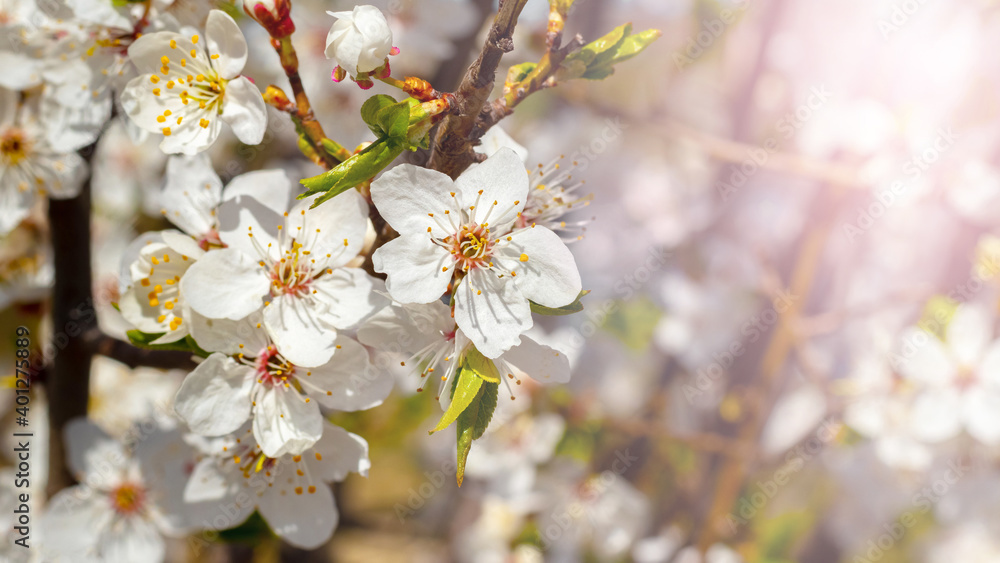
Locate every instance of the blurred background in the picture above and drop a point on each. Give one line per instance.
(789, 349)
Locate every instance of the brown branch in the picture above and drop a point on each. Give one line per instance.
(67, 383)
(134, 357)
(452, 149)
(541, 77)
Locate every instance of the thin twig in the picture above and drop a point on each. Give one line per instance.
(452, 149)
(303, 114)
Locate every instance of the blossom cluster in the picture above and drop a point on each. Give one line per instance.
(291, 304)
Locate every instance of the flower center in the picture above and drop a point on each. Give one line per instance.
(13, 147)
(966, 378)
(211, 240)
(293, 273)
(128, 498)
(471, 246)
(272, 368)
(186, 72)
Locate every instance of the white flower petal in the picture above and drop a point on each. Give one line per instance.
(229, 337)
(272, 188)
(244, 110)
(348, 382)
(253, 204)
(406, 194)
(225, 284)
(295, 325)
(72, 516)
(341, 452)
(337, 227)
(284, 423)
(414, 269)
(546, 270)
(925, 359)
(214, 399)
(982, 414)
(132, 539)
(226, 40)
(937, 415)
(969, 332)
(543, 364)
(502, 178)
(94, 457)
(406, 328)
(491, 311)
(193, 190)
(350, 296)
(182, 244)
(190, 139)
(495, 139)
(306, 521)
(145, 52)
(989, 367)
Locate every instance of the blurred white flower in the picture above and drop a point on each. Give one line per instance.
(959, 378)
(552, 192)
(124, 502)
(29, 166)
(426, 337)
(154, 303)
(289, 491)
(880, 407)
(248, 376)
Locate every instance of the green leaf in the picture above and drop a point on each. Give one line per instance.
(472, 423)
(628, 48)
(370, 110)
(386, 117)
(597, 59)
(589, 53)
(574, 307)
(482, 366)
(353, 171)
(466, 390)
(141, 339)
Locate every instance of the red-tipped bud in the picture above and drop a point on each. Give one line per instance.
(273, 15)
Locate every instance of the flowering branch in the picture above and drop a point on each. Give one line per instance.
(543, 75)
(452, 148)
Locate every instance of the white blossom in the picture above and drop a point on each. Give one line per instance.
(188, 85)
(29, 166)
(289, 491)
(461, 236)
(292, 262)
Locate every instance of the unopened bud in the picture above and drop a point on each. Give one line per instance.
(273, 15)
